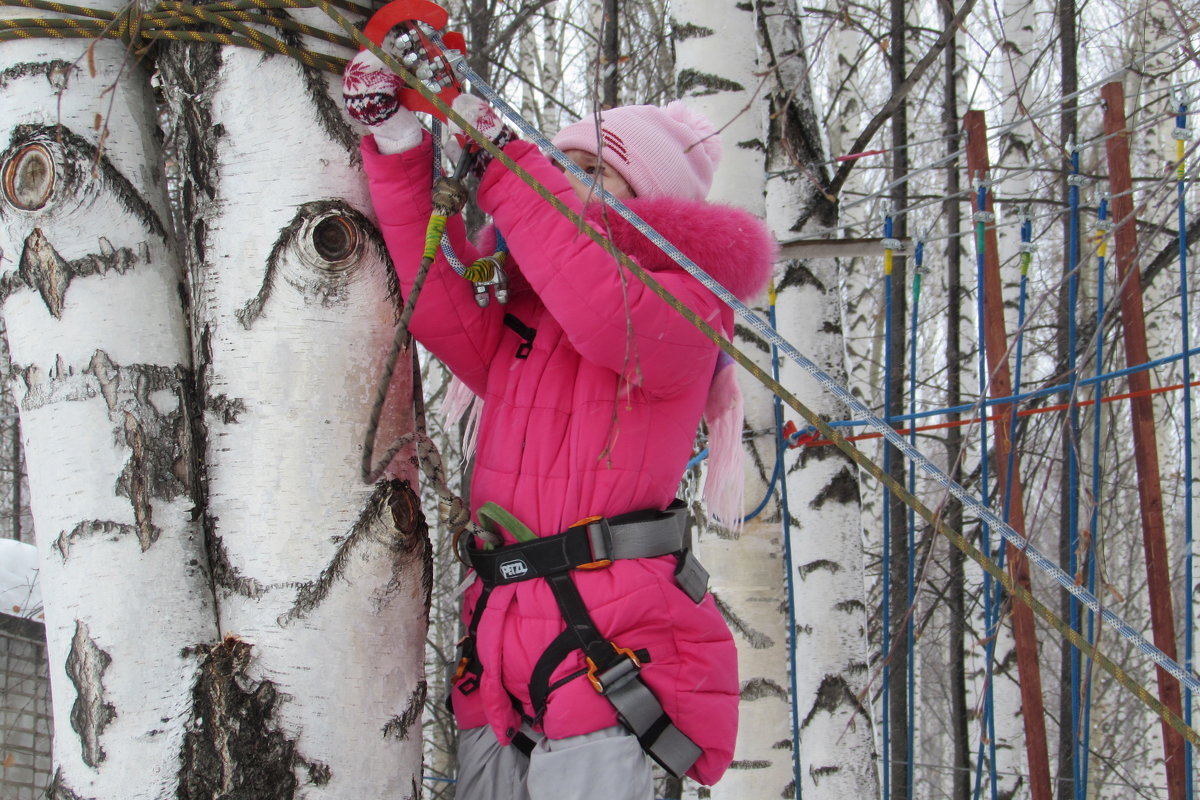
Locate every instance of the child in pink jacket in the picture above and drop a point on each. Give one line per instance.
(593, 388)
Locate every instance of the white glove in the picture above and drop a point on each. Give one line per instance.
(481, 116)
(371, 93)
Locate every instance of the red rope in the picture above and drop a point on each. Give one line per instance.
(1024, 413)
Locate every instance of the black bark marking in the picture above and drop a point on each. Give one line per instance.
(56, 72)
(327, 287)
(328, 111)
(850, 606)
(227, 576)
(58, 789)
(816, 773)
(796, 273)
(782, 744)
(90, 714)
(757, 688)
(226, 408)
(159, 444)
(804, 570)
(756, 639)
(832, 694)
(757, 764)
(698, 84)
(42, 268)
(398, 727)
(681, 33)
(789, 791)
(80, 160)
(393, 518)
(842, 488)
(233, 748)
(744, 334)
(138, 483)
(89, 528)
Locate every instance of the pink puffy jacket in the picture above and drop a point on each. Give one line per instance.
(599, 419)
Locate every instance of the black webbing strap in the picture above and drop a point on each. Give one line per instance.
(469, 665)
(615, 674)
(526, 333)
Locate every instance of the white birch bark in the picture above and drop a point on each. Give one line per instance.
(716, 77)
(836, 740)
(96, 332)
(322, 582)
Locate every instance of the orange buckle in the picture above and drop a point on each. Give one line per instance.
(592, 668)
(462, 669)
(601, 563)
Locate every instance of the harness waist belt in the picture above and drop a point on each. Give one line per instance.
(641, 534)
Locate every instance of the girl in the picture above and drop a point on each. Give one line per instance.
(596, 641)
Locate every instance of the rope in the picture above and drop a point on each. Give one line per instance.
(919, 460)
(991, 613)
(1083, 748)
(1182, 134)
(1074, 181)
(885, 639)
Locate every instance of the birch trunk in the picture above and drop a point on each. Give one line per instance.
(322, 582)
(91, 303)
(836, 741)
(716, 76)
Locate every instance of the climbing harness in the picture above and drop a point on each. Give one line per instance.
(612, 670)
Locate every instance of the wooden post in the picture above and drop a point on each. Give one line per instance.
(1000, 383)
(1141, 407)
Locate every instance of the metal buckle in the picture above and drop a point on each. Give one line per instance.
(624, 665)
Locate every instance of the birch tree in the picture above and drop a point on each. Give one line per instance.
(836, 740)
(292, 303)
(232, 612)
(714, 74)
(97, 337)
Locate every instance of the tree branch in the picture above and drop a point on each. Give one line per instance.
(889, 108)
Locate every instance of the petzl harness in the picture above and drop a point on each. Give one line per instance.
(613, 671)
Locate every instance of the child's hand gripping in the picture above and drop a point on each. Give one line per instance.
(371, 93)
(481, 116)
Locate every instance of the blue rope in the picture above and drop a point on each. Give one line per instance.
(1080, 782)
(910, 626)
(885, 643)
(1183, 134)
(990, 593)
(789, 564)
(1083, 748)
(1039, 560)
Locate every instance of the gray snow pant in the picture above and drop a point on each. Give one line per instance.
(608, 763)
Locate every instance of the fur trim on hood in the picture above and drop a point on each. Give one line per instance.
(729, 243)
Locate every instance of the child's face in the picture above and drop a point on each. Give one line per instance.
(603, 175)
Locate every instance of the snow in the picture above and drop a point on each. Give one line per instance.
(20, 594)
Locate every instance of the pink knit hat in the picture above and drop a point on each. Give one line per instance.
(659, 151)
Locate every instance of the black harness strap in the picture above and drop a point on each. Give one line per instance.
(612, 670)
(527, 333)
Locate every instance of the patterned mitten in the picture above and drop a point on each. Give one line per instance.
(371, 93)
(481, 116)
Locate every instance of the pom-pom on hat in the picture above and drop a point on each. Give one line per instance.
(659, 150)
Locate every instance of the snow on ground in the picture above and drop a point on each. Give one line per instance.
(20, 595)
